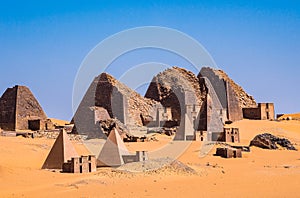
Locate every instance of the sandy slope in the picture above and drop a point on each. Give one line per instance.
(261, 173)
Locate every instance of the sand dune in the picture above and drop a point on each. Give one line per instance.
(263, 173)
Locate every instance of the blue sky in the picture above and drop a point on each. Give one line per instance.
(42, 43)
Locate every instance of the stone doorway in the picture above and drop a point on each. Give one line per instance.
(34, 125)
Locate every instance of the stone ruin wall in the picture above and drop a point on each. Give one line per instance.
(8, 109)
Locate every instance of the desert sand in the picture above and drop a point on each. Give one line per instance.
(263, 173)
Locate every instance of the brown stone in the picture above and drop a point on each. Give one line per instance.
(175, 88)
(120, 102)
(229, 152)
(263, 111)
(19, 110)
(231, 96)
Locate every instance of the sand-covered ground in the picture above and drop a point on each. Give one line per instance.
(260, 173)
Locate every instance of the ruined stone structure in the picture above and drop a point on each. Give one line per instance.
(212, 113)
(175, 88)
(231, 96)
(82, 164)
(61, 151)
(179, 91)
(228, 135)
(231, 135)
(229, 152)
(120, 102)
(175, 97)
(19, 110)
(140, 156)
(263, 111)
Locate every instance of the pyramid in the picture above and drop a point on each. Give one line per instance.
(61, 151)
(231, 96)
(119, 100)
(113, 150)
(17, 107)
(170, 88)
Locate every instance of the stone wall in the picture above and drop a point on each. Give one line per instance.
(264, 111)
(252, 113)
(8, 109)
(234, 111)
(267, 111)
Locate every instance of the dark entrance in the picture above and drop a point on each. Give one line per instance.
(234, 154)
(34, 125)
(232, 139)
(90, 167)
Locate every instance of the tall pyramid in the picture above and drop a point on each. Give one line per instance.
(113, 150)
(61, 151)
(20, 110)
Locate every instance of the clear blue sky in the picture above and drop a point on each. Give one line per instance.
(42, 43)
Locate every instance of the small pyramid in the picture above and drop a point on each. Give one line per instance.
(61, 151)
(113, 150)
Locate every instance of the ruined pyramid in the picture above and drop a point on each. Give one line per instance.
(61, 151)
(113, 150)
(119, 100)
(20, 110)
(170, 88)
(231, 96)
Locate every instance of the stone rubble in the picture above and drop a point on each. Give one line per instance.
(269, 141)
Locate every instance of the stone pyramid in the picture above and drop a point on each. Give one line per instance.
(61, 151)
(17, 106)
(231, 96)
(170, 88)
(119, 100)
(113, 150)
